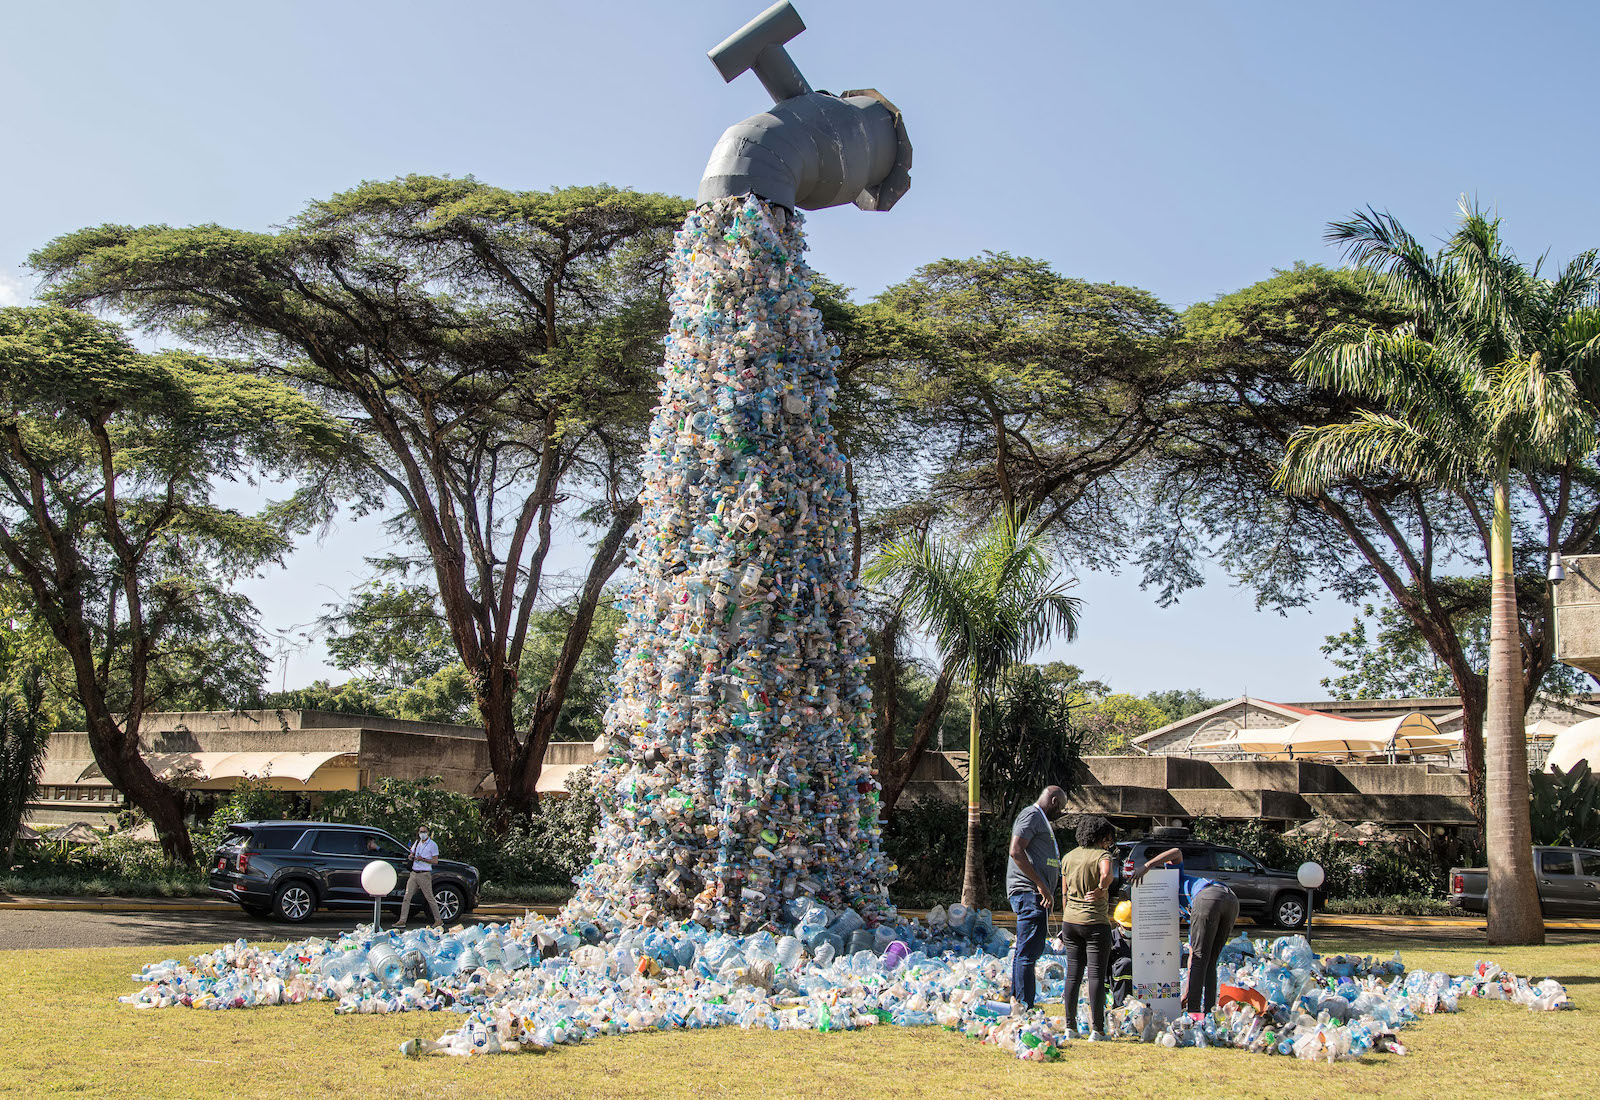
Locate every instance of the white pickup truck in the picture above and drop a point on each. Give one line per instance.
(1568, 878)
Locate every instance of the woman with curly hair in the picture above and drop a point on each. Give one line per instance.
(1086, 927)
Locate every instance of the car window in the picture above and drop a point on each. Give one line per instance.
(1556, 863)
(377, 844)
(273, 840)
(236, 839)
(340, 842)
(1197, 859)
(1591, 864)
(1225, 860)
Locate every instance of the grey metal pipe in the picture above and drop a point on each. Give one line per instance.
(812, 149)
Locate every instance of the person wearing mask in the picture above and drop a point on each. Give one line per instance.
(1032, 873)
(1086, 922)
(1211, 908)
(424, 854)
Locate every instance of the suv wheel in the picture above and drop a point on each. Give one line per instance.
(448, 900)
(1289, 911)
(294, 902)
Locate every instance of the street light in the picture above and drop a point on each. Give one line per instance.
(1557, 572)
(377, 879)
(1311, 876)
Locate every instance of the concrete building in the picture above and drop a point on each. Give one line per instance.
(1548, 716)
(1172, 789)
(313, 752)
(307, 752)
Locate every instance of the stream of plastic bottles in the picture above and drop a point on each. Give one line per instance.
(735, 770)
(537, 983)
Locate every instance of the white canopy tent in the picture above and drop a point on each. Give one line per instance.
(1574, 745)
(1319, 737)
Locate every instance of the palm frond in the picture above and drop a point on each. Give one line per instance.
(1403, 269)
(1372, 443)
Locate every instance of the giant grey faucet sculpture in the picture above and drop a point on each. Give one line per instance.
(813, 149)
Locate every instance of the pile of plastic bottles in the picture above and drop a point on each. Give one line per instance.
(735, 769)
(537, 983)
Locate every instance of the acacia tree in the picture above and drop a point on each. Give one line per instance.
(1212, 496)
(1496, 372)
(1031, 391)
(496, 348)
(107, 522)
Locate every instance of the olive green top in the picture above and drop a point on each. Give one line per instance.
(1080, 873)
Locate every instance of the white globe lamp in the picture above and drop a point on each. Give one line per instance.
(377, 879)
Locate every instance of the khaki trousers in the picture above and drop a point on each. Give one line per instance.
(423, 881)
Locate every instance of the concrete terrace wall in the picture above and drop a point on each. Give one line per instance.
(1170, 787)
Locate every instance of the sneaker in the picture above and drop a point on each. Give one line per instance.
(1097, 1036)
(402, 924)
(1197, 1016)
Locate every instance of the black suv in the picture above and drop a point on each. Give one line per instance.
(289, 868)
(1266, 896)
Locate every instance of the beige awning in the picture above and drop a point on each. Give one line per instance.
(62, 773)
(1318, 736)
(552, 779)
(220, 770)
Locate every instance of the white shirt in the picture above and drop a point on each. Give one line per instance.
(423, 851)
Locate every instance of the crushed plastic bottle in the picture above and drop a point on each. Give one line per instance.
(681, 975)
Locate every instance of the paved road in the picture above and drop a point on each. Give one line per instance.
(35, 928)
(29, 928)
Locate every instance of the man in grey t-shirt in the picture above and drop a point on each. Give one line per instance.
(1032, 874)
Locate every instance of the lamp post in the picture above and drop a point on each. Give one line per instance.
(377, 879)
(1311, 876)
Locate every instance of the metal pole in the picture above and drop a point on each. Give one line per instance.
(377, 911)
(1310, 908)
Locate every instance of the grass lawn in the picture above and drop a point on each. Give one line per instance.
(67, 1035)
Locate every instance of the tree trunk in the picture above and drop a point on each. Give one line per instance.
(519, 790)
(116, 750)
(1474, 703)
(1513, 895)
(895, 773)
(974, 891)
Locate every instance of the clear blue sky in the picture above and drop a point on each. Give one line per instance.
(1187, 148)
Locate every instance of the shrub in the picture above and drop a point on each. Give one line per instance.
(400, 805)
(1565, 807)
(1353, 870)
(927, 839)
(1394, 905)
(250, 800)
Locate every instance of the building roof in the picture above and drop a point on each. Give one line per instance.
(1287, 711)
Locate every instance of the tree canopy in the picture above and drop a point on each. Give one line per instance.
(108, 523)
(496, 351)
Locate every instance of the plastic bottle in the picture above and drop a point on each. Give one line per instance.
(384, 962)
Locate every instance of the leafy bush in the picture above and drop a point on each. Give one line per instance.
(927, 839)
(553, 846)
(250, 800)
(399, 806)
(174, 884)
(1565, 807)
(1394, 905)
(1353, 870)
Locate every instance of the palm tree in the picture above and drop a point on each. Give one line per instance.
(988, 601)
(24, 740)
(1497, 372)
